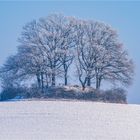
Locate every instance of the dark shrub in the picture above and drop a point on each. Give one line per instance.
(59, 92)
(8, 93)
(33, 92)
(115, 96)
(14, 92)
(112, 96)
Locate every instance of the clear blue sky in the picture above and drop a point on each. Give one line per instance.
(123, 16)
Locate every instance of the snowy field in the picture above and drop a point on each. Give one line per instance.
(65, 120)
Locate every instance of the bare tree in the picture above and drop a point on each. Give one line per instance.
(33, 63)
(86, 54)
(81, 73)
(32, 53)
(67, 45)
(10, 74)
(50, 41)
(58, 39)
(112, 63)
(101, 55)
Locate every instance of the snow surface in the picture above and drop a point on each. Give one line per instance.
(68, 120)
(78, 89)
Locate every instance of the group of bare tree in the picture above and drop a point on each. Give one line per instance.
(49, 46)
(100, 55)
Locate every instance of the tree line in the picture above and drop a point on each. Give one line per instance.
(48, 47)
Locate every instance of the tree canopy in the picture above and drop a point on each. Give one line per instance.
(48, 47)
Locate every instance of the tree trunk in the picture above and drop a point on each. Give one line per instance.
(83, 83)
(97, 83)
(42, 82)
(65, 74)
(97, 78)
(66, 80)
(83, 87)
(53, 79)
(88, 81)
(38, 81)
(47, 82)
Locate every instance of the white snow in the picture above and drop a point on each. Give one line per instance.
(68, 120)
(78, 89)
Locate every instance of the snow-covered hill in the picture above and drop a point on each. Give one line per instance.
(67, 120)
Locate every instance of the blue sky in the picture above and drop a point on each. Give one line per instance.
(123, 16)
